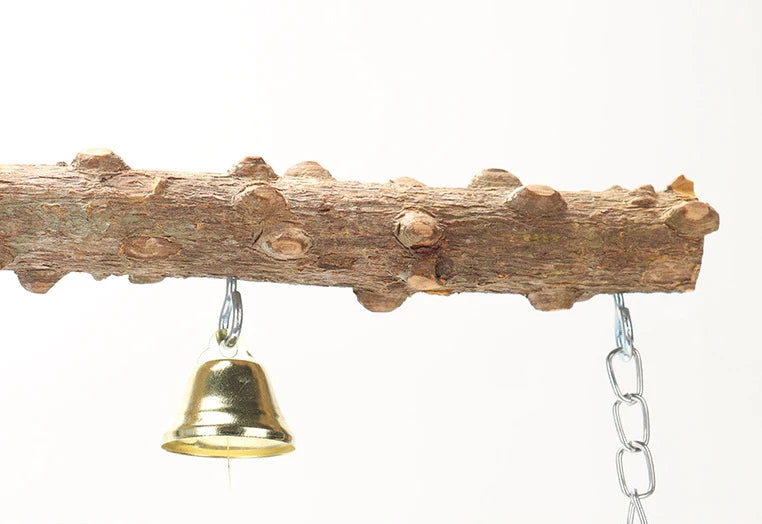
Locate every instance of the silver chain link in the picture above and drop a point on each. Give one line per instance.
(627, 352)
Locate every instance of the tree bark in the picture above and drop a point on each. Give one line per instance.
(386, 241)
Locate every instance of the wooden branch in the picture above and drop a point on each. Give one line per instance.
(386, 241)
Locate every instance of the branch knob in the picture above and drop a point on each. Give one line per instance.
(308, 169)
(380, 301)
(494, 178)
(554, 298)
(99, 160)
(416, 229)
(38, 280)
(693, 219)
(537, 200)
(254, 167)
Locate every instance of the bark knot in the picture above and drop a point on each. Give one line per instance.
(148, 247)
(285, 242)
(260, 202)
(416, 229)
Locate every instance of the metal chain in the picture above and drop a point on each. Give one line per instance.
(626, 350)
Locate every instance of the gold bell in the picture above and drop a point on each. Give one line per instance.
(230, 411)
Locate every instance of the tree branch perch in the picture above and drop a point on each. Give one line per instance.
(386, 241)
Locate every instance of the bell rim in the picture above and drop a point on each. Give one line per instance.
(184, 432)
(175, 441)
(183, 448)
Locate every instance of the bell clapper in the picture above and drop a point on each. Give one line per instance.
(230, 479)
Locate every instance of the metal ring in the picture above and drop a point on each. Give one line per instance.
(231, 315)
(636, 399)
(625, 397)
(639, 447)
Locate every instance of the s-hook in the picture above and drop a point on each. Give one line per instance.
(231, 316)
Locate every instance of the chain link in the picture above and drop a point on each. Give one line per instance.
(636, 508)
(623, 333)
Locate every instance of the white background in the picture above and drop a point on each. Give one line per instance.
(466, 409)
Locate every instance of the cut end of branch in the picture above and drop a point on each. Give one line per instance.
(308, 169)
(254, 167)
(99, 160)
(416, 229)
(693, 219)
(537, 200)
(285, 243)
(380, 302)
(495, 178)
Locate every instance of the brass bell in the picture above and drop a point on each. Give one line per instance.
(230, 411)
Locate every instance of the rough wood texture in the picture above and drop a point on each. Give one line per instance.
(386, 241)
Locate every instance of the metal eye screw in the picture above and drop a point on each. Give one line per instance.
(231, 316)
(623, 332)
